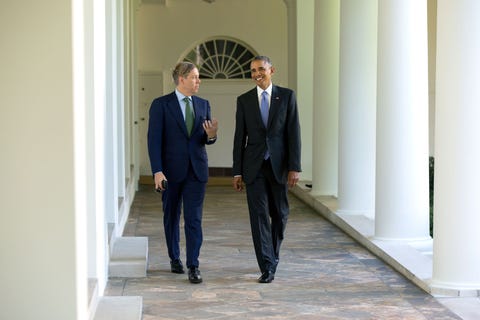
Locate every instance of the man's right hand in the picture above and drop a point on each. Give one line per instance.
(238, 183)
(159, 177)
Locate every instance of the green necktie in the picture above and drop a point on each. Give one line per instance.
(189, 116)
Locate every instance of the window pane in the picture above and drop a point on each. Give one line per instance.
(221, 59)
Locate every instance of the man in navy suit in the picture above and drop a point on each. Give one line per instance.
(266, 157)
(179, 127)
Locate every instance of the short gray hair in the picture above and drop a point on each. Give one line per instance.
(182, 69)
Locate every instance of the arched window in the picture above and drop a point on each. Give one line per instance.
(221, 58)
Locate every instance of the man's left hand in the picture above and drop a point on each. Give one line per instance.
(211, 127)
(293, 177)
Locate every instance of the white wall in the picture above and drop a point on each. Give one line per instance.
(165, 33)
(37, 232)
(223, 100)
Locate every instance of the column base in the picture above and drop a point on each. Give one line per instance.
(443, 289)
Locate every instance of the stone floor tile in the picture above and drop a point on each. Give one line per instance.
(323, 273)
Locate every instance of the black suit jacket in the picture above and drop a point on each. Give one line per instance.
(282, 135)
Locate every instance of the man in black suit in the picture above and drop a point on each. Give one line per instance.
(180, 126)
(266, 156)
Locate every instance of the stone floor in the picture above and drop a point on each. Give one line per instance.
(323, 273)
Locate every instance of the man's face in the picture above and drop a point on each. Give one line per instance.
(261, 73)
(190, 84)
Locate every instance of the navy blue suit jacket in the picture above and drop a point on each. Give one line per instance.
(282, 135)
(169, 146)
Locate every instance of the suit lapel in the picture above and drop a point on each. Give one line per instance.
(174, 108)
(274, 105)
(197, 109)
(256, 106)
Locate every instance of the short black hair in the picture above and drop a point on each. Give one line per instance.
(264, 59)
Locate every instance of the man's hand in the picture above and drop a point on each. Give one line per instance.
(159, 177)
(238, 183)
(293, 177)
(211, 128)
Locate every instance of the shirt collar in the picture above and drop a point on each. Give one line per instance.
(269, 90)
(181, 96)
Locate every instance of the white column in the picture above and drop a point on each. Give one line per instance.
(357, 107)
(134, 165)
(111, 145)
(305, 26)
(127, 95)
(401, 200)
(325, 115)
(99, 234)
(456, 258)
(80, 172)
(291, 6)
(90, 131)
(119, 102)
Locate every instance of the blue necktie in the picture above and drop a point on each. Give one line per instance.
(264, 108)
(264, 111)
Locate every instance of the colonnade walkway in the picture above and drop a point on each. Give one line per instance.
(322, 274)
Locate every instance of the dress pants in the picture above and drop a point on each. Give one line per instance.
(190, 193)
(268, 207)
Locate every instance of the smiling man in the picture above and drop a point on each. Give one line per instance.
(266, 157)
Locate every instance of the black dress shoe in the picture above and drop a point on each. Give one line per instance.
(194, 275)
(176, 266)
(266, 277)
